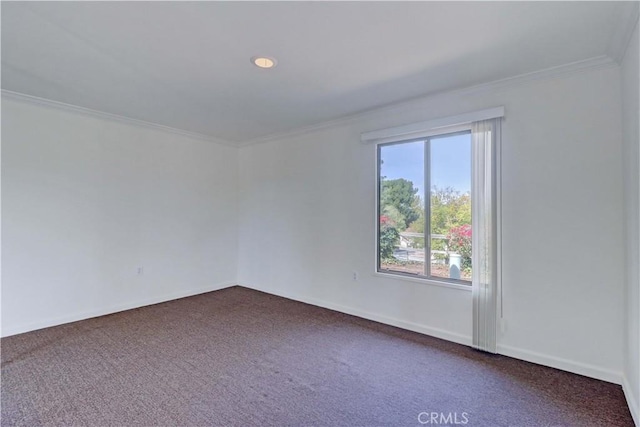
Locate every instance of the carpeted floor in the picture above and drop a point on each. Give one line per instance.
(238, 357)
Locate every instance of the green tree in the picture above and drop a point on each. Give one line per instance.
(449, 209)
(389, 236)
(394, 215)
(417, 226)
(401, 195)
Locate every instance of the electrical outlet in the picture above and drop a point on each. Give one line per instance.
(140, 270)
(355, 276)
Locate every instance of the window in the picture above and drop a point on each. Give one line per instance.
(424, 207)
(439, 207)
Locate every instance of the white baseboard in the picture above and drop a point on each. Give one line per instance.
(529, 356)
(411, 326)
(19, 329)
(632, 400)
(562, 364)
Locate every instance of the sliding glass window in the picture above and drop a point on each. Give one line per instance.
(424, 208)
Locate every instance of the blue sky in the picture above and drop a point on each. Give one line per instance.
(450, 161)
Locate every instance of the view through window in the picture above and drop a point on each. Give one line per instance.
(424, 207)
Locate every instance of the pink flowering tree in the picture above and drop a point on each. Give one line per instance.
(459, 241)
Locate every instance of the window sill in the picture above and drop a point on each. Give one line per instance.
(424, 281)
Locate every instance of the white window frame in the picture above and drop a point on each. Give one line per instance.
(424, 278)
(422, 130)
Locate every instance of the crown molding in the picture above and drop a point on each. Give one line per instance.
(597, 62)
(545, 74)
(43, 102)
(622, 36)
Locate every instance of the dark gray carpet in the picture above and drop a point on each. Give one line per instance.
(238, 357)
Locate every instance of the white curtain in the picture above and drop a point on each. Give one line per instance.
(485, 139)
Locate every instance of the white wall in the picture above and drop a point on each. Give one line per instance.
(631, 154)
(86, 201)
(307, 221)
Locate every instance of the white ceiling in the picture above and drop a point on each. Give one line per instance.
(186, 64)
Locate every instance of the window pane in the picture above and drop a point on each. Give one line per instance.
(401, 235)
(450, 172)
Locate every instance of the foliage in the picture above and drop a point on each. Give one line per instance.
(399, 194)
(459, 241)
(402, 209)
(392, 215)
(389, 235)
(449, 209)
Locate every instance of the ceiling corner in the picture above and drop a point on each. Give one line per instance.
(48, 103)
(622, 35)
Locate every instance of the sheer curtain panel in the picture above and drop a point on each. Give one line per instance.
(485, 139)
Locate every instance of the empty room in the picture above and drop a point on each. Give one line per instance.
(320, 214)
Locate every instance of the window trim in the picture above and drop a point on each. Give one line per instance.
(422, 280)
(424, 129)
(432, 280)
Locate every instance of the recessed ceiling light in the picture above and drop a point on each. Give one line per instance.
(263, 61)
